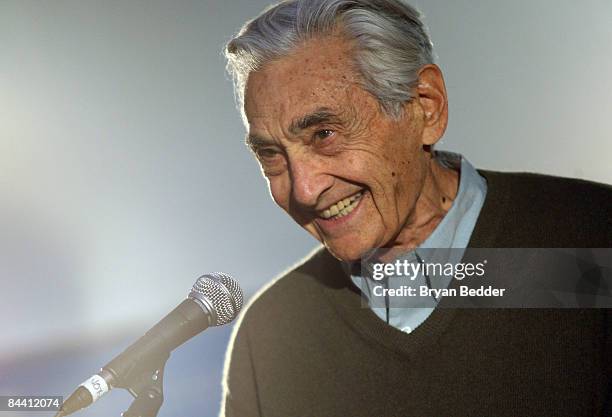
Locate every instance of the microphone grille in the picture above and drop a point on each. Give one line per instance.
(223, 294)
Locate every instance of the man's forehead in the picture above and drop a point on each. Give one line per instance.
(316, 55)
(315, 65)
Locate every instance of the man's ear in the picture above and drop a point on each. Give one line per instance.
(431, 99)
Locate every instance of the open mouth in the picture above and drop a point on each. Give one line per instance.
(342, 207)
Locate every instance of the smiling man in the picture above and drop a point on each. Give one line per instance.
(343, 105)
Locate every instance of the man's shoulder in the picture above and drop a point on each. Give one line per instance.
(566, 211)
(294, 278)
(552, 193)
(297, 288)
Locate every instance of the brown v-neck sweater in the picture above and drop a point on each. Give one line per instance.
(306, 347)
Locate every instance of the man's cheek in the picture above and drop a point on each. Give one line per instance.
(280, 191)
(277, 196)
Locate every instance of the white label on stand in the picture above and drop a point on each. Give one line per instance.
(96, 385)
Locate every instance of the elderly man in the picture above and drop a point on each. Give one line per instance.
(343, 105)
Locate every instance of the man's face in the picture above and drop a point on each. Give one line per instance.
(341, 168)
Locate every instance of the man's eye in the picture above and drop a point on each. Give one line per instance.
(323, 134)
(271, 160)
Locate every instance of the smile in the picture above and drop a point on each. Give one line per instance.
(342, 207)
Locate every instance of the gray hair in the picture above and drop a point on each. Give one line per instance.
(391, 43)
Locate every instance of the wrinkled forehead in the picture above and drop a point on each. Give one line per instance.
(320, 73)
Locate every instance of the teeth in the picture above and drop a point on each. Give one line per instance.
(342, 207)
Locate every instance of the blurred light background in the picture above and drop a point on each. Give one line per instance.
(123, 173)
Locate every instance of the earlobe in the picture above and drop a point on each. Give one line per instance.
(431, 96)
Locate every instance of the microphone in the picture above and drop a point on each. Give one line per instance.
(214, 300)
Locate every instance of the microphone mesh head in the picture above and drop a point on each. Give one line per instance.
(223, 293)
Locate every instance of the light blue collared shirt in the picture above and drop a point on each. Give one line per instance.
(453, 232)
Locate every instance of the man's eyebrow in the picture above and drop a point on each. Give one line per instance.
(254, 141)
(321, 115)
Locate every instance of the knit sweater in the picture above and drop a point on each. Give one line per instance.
(306, 347)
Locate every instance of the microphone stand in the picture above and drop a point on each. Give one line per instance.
(147, 390)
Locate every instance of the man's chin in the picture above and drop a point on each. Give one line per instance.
(344, 253)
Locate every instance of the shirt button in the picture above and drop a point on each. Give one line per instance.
(407, 329)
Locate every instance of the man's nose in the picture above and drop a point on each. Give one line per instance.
(309, 179)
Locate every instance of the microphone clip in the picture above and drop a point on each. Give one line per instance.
(147, 390)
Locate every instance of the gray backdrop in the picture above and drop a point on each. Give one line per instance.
(123, 174)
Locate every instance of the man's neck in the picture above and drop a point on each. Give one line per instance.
(437, 195)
